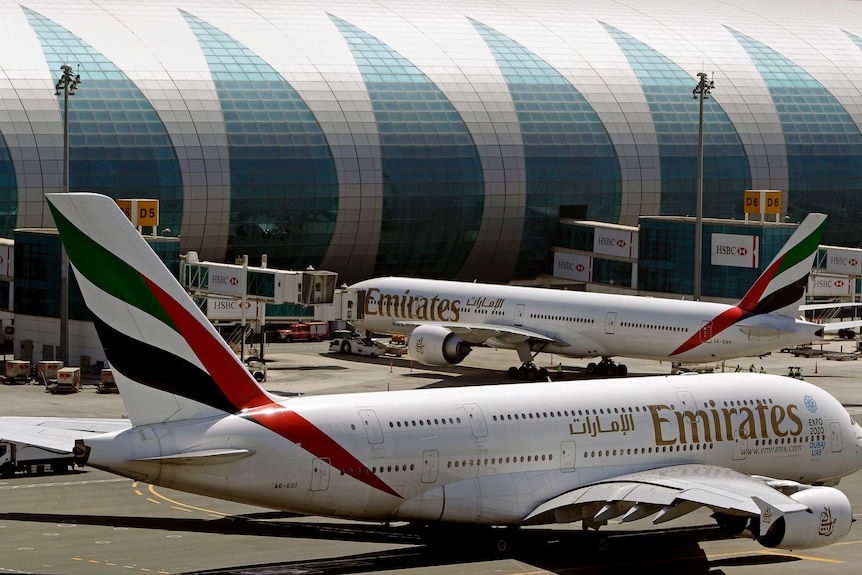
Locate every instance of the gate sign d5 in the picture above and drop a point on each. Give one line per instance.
(141, 212)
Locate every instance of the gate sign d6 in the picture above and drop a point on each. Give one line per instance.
(762, 202)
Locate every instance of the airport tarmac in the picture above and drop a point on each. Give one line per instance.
(93, 522)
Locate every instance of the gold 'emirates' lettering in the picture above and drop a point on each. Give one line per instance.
(406, 306)
(720, 424)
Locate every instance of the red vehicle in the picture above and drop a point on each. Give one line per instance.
(312, 330)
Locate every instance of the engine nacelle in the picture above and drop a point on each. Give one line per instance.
(436, 345)
(828, 522)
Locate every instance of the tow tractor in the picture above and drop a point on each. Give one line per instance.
(354, 344)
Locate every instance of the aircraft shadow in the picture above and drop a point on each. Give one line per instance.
(556, 551)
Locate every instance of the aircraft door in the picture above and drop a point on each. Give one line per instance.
(740, 446)
(373, 431)
(687, 400)
(567, 456)
(610, 322)
(429, 466)
(835, 436)
(477, 420)
(320, 474)
(519, 314)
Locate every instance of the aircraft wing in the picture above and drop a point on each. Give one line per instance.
(482, 332)
(833, 305)
(668, 492)
(56, 433)
(836, 325)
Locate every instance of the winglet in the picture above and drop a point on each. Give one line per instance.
(768, 515)
(168, 360)
(781, 287)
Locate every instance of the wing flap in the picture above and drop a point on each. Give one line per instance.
(481, 332)
(670, 492)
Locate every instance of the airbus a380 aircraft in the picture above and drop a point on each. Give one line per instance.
(446, 318)
(758, 450)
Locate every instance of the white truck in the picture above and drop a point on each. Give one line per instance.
(354, 344)
(24, 458)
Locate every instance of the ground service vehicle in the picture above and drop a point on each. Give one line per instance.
(17, 371)
(46, 371)
(25, 458)
(309, 331)
(355, 345)
(107, 384)
(68, 381)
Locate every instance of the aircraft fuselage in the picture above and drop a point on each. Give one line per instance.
(488, 455)
(582, 324)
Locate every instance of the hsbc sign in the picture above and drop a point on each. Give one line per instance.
(573, 267)
(225, 280)
(615, 242)
(735, 250)
(225, 309)
(829, 286)
(844, 261)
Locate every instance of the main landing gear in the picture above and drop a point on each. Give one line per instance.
(528, 371)
(607, 367)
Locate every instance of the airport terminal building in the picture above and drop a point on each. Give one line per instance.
(445, 139)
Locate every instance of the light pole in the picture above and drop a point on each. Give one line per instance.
(701, 92)
(66, 85)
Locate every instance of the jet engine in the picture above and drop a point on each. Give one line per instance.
(826, 521)
(436, 345)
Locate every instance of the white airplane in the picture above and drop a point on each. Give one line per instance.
(445, 318)
(757, 450)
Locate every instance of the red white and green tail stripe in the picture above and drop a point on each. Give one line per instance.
(153, 334)
(780, 289)
(169, 362)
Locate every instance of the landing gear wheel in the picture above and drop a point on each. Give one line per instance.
(532, 373)
(513, 372)
(522, 372)
(622, 370)
(592, 368)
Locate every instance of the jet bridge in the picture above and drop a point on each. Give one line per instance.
(240, 292)
(261, 284)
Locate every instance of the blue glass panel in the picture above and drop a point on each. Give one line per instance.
(568, 154)
(8, 192)
(668, 91)
(107, 105)
(821, 172)
(433, 186)
(284, 187)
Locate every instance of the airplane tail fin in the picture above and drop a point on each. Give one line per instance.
(168, 360)
(781, 287)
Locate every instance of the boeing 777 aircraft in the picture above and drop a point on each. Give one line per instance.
(446, 318)
(761, 452)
